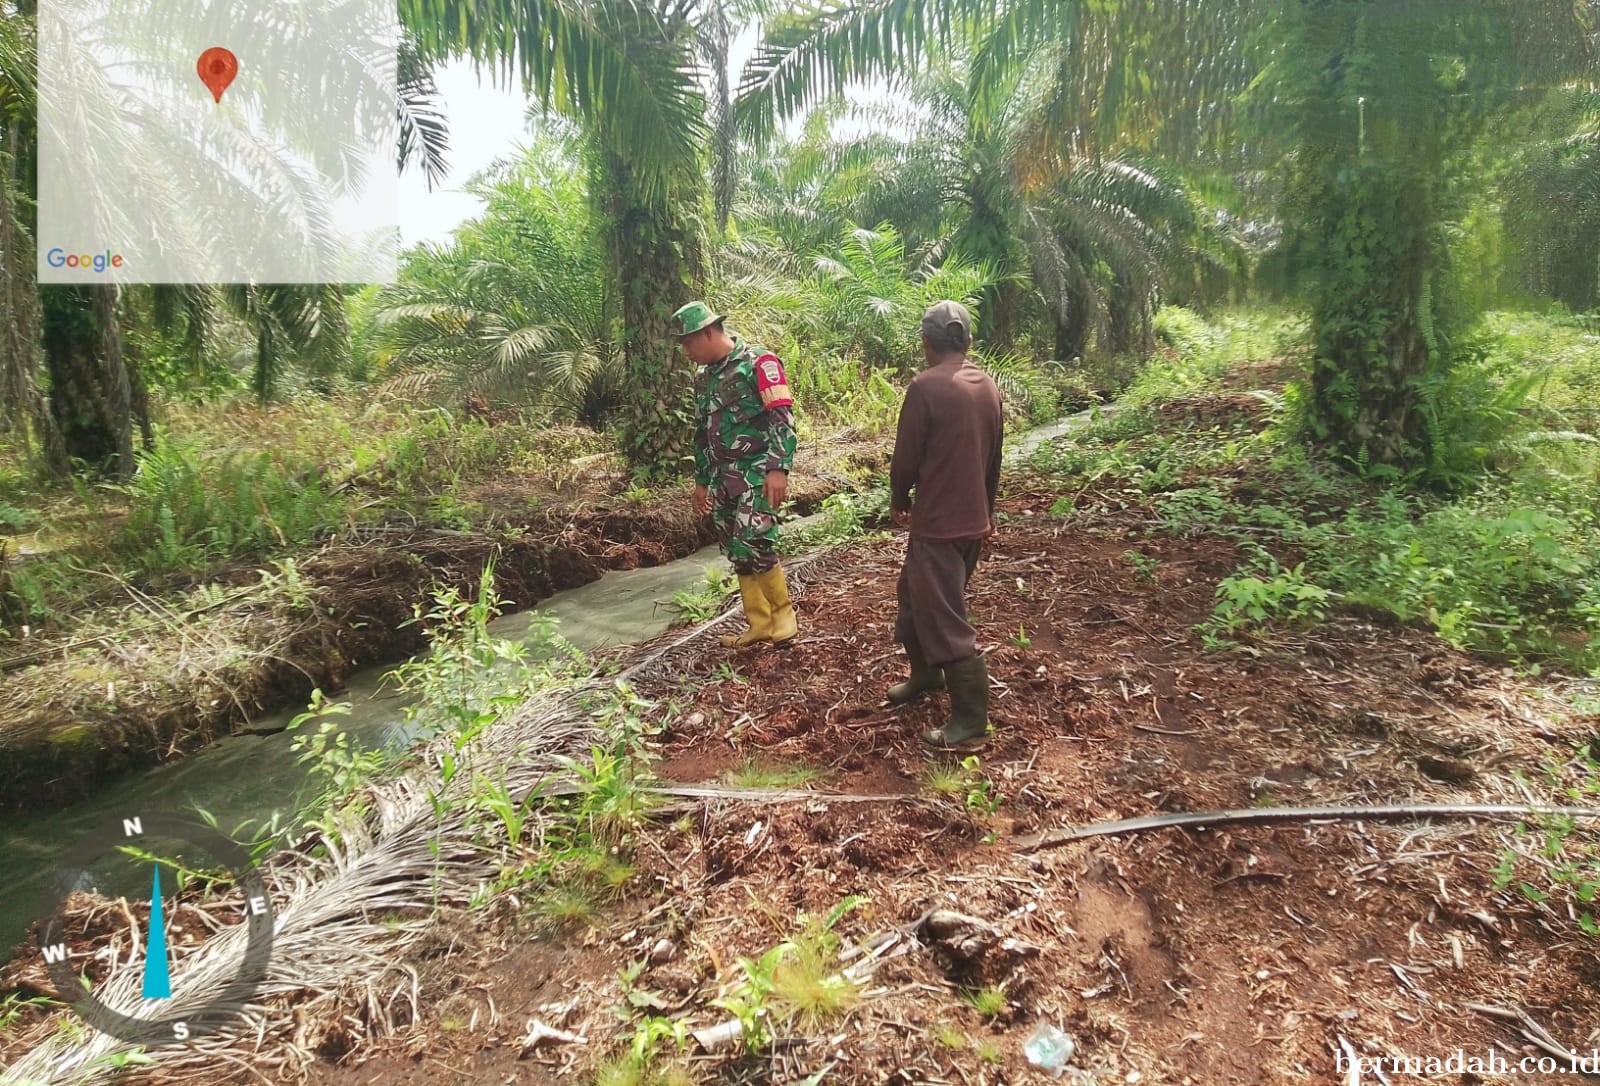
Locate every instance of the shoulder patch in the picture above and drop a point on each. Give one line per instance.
(771, 382)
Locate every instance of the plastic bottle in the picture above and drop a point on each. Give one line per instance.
(1048, 1049)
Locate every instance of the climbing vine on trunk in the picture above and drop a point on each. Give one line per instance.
(1384, 102)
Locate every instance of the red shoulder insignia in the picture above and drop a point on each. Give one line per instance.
(771, 382)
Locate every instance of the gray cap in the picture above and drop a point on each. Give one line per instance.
(941, 315)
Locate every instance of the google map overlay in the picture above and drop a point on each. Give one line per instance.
(195, 141)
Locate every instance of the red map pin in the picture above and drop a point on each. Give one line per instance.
(217, 68)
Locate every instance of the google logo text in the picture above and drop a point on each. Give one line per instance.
(60, 258)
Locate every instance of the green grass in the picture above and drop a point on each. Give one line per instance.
(1550, 861)
(626, 1071)
(1203, 356)
(564, 907)
(807, 986)
(989, 1002)
(234, 481)
(703, 601)
(989, 1052)
(756, 772)
(800, 981)
(844, 517)
(946, 778)
(606, 872)
(1565, 351)
(13, 1007)
(613, 799)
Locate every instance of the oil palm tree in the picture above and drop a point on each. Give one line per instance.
(1110, 239)
(869, 295)
(63, 326)
(1085, 245)
(801, 194)
(1367, 107)
(1044, 120)
(520, 307)
(646, 79)
(22, 404)
(627, 72)
(1375, 110)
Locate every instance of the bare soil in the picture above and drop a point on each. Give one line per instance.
(1236, 955)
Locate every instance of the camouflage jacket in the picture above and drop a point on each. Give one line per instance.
(744, 415)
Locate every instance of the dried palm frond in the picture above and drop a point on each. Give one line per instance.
(335, 939)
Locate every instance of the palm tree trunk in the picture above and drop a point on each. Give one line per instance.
(986, 237)
(1575, 256)
(1128, 329)
(1373, 319)
(656, 260)
(20, 400)
(1072, 333)
(22, 404)
(1002, 315)
(90, 397)
(139, 400)
(266, 370)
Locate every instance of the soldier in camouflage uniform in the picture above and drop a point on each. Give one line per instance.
(743, 448)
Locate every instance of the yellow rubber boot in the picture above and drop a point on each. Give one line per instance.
(757, 612)
(784, 625)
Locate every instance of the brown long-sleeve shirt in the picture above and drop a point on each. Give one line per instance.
(947, 447)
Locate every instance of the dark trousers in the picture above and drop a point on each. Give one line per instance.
(933, 599)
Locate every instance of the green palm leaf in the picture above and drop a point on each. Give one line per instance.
(619, 65)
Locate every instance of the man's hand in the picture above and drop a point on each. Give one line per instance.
(902, 517)
(776, 488)
(702, 501)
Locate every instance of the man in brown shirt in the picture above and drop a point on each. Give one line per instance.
(947, 448)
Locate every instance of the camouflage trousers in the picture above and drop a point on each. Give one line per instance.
(747, 527)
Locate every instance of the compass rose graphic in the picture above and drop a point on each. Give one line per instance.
(160, 1012)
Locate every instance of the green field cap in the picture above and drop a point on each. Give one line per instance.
(693, 317)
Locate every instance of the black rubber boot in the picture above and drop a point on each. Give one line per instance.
(924, 677)
(968, 681)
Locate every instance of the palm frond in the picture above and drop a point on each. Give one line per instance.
(1022, 382)
(811, 53)
(424, 131)
(714, 38)
(616, 65)
(333, 936)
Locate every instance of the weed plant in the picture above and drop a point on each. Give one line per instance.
(245, 482)
(845, 516)
(989, 1002)
(1554, 861)
(799, 981)
(703, 601)
(754, 772)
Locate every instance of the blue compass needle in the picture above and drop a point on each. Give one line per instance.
(157, 979)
